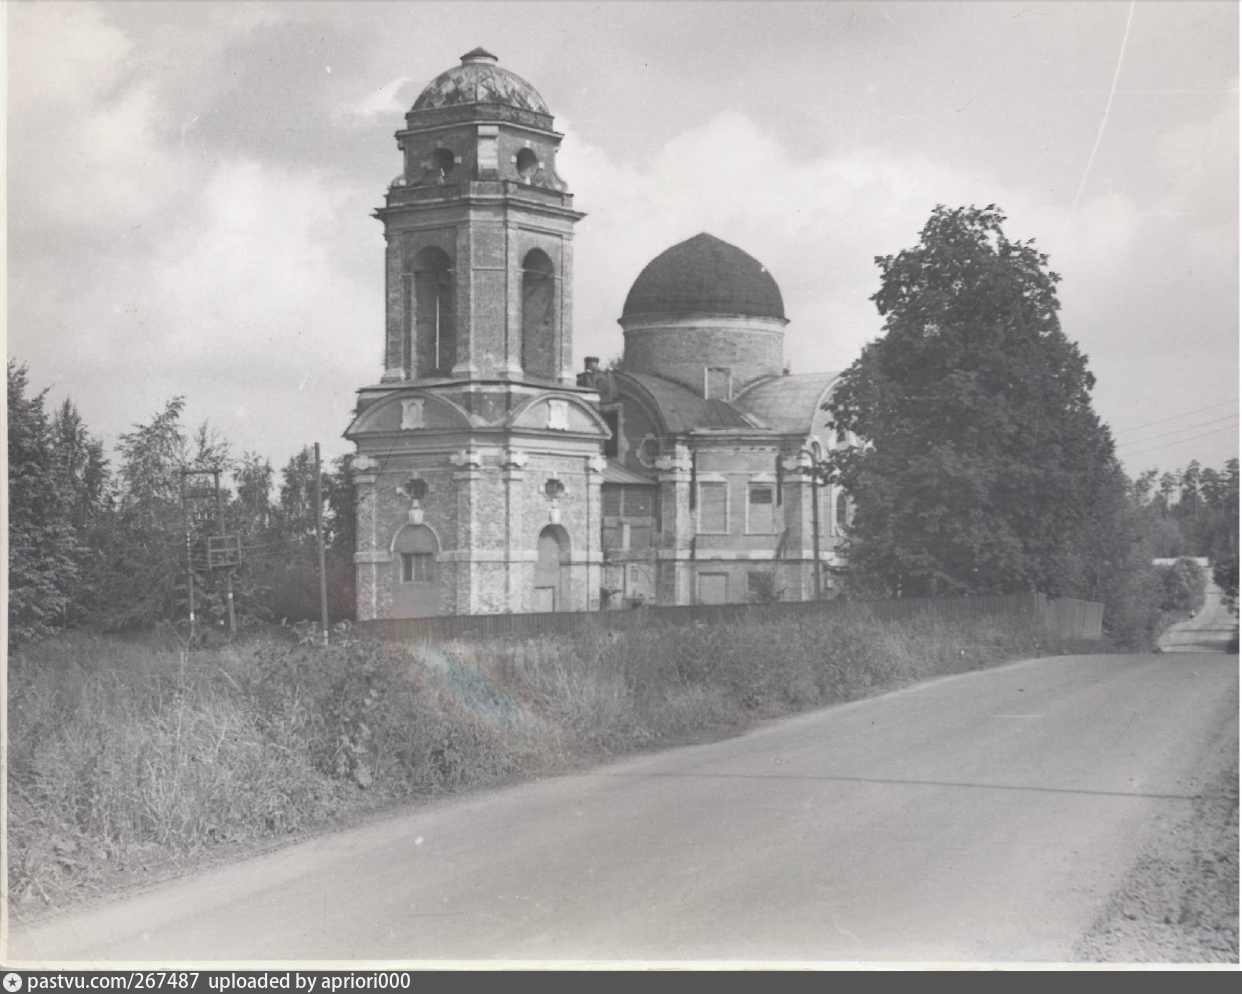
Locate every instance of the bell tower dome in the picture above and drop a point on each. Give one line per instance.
(479, 229)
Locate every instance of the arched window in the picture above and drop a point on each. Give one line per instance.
(538, 310)
(843, 511)
(415, 551)
(435, 329)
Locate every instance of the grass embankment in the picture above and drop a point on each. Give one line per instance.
(130, 757)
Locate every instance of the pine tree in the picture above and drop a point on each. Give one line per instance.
(43, 546)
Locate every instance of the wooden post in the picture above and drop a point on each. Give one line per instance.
(220, 530)
(323, 575)
(819, 570)
(189, 551)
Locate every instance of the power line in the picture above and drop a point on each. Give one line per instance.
(1165, 445)
(1184, 414)
(1176, 431)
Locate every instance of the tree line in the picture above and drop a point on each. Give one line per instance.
(983, 467)
(101, 542)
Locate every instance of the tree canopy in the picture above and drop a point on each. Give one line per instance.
(983, 468)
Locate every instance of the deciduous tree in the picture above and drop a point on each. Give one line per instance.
(984, 468)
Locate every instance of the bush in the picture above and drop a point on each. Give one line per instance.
(1184, 586)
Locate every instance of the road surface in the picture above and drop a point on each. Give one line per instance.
(1208, 631)
(982, 817)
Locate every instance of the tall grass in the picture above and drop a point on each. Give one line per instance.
(131, 754)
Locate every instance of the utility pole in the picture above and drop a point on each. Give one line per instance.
(323, 573)
(815, 487)
(228, 575)
(189, 549)
(819, 569)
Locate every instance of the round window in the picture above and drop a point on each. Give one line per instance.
(527, 163)
(649, 451)
(444, 161)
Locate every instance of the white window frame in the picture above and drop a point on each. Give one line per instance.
(430, 561)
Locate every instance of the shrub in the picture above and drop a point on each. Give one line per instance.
(1183, 586)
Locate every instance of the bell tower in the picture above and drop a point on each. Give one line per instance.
(479, 230)
(479, 457)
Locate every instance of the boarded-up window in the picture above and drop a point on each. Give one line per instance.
(613, 537)
(714, 508)
(713, 588)
(641, 537)
(639, 502)
(718, 383)
(760, 507)
(612, 501)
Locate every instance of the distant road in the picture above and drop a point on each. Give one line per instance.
(982, 817)
(1208, 631)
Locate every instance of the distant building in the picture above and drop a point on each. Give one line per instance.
(491, 478)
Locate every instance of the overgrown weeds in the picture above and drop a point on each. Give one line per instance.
(130, 754)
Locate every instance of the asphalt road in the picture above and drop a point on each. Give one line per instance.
(1209, 630)
(982, 817)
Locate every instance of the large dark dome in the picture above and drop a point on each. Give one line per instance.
(704, 275)
(479, 80)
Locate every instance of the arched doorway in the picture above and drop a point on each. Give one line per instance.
(551, 570)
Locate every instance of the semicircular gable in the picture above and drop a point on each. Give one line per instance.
(559, 412)
(410, 411)
(630, 389)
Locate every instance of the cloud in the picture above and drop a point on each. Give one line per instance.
(816, 223)
(68, 56)
(384, 102)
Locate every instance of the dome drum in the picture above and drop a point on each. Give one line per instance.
(704, 313)
(684, 348)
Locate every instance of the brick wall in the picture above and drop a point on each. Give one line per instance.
(681, 348)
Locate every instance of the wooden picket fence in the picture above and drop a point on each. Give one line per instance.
(1064, 618)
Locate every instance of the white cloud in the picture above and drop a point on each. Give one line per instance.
(816, 224)
(61, 56)
(384, 102)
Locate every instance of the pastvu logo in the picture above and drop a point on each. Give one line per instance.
(12, 982)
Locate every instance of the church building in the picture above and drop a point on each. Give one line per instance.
(491, 477)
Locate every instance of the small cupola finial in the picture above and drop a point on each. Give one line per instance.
(478, 55)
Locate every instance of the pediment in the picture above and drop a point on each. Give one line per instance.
(559, 412)
(411, 410)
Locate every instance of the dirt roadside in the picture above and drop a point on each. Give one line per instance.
(1179, 903)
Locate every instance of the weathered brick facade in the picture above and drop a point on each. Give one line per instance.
(490, 479)
(477, 451)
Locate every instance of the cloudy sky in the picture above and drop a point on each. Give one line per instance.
(190, 185)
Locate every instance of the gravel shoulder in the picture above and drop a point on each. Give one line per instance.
(1179, 902)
